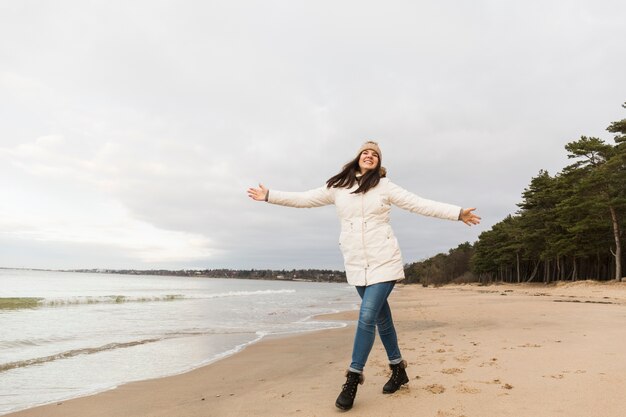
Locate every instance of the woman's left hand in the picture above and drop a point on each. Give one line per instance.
(258, 194)
(468, 217)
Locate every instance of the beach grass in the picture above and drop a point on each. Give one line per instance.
(19, 302)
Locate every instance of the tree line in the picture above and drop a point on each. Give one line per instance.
(314, 275)
(569, 226)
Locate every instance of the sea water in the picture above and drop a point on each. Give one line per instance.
(65, 334)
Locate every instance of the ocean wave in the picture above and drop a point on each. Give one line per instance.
(26, 343)
(34, 302)
(109, 346)
(16, 303)
(107, 299)
(71, 353)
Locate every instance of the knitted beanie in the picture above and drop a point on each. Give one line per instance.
(371, 145)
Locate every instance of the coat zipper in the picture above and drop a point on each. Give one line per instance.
(363, 226)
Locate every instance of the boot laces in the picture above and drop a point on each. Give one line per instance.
(395, 373)
(351, 384)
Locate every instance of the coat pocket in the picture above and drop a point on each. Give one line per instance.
(382, 246)
(352, 250)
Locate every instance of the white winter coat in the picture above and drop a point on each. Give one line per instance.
(370, 250)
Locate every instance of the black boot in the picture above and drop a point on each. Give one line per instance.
(398, 378)
(348, 391)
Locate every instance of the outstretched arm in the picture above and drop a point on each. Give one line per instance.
(468, 217)
(313, 198)
(258, 194)
(415, 204)
(411, 202)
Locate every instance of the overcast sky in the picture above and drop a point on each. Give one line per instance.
(130, 130)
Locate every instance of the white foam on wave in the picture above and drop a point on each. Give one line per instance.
(107, 299)
(120, 299)
(247, 293)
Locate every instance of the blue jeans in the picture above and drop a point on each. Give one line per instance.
(374, 312)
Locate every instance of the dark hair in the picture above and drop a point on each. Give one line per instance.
(347, 177)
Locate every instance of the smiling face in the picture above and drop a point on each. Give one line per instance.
(368, 160)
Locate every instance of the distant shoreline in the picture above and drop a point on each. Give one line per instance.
(306, 275)
(303, 275)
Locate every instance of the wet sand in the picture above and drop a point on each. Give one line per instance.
(501, 350)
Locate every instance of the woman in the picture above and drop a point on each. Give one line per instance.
(363, 197)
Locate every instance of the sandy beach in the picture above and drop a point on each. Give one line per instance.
(473, 351)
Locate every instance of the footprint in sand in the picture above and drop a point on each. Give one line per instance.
(497, 382)
(463, 358)
(490, 362)
(464, 389)
(563, 373)
(435, 389)
(492, 382)
(445, 413)
(452, 371)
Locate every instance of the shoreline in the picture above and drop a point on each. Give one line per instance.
(503, 349)
(54, 354)
(267, 345)
(260, 338)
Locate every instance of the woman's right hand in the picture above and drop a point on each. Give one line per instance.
(468, 217)
(258, 194)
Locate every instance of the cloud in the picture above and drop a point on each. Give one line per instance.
(140, 126)
(65, 198)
